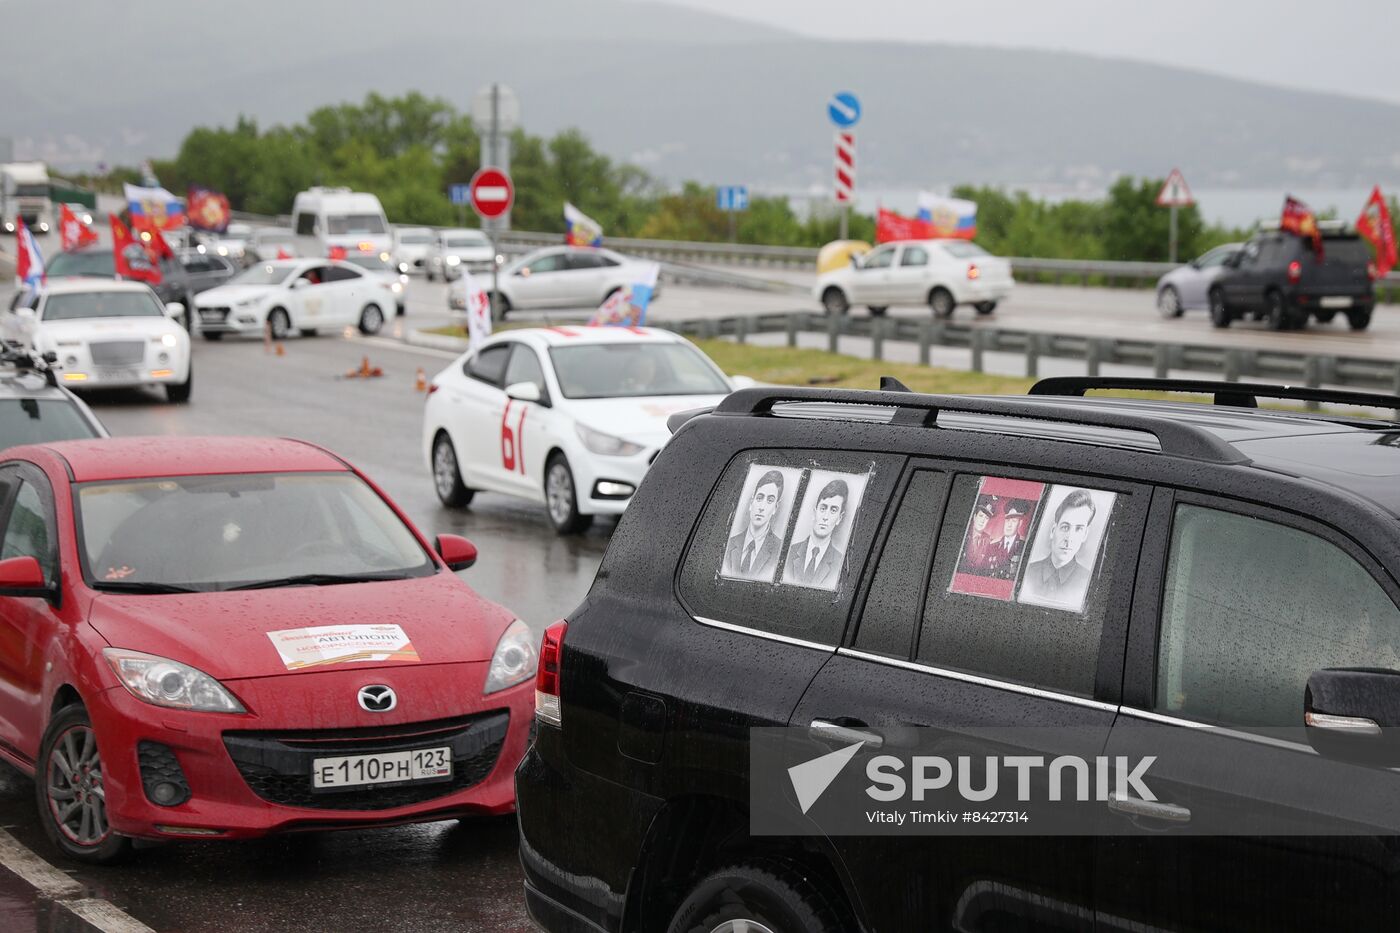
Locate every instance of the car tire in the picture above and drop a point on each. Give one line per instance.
(985, 308)
(1279, 315)
(70, 737)
(400, 310)
(877, 310)
(769, 896)
(834, 302)
(371, 319)
(500, 305)
(430, 276)
(215, 335)
(941, 302)
(279, 323)
(1359, 318)
(1219, 311)
(1169, 302)
(561, 498)
(178, 393)
(447, 474)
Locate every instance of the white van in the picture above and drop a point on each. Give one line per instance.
(323, 218)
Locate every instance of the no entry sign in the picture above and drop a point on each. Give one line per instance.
(492, 192)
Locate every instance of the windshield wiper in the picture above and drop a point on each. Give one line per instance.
(133, 586)
(317, 579)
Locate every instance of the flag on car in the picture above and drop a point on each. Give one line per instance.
(207, 209)
(130, 257)
(283, 253)
(29, 267)
(155, 206)
(627, 307)
(1374, 224)
(156, 246)
(890, 226)
(1299, 218)
(580, 229)
(336, 252)
(474, 301)
(73, 233)
(948, 217)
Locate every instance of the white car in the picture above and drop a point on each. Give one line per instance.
(306, 295)
(106, 334)
(412, 245)
(385, 267)
(453, 250)
(570, 417)
(265, 244)
(566, 277)
(939, 273)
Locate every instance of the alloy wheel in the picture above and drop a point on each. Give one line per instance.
(77, 800)
(559, 491)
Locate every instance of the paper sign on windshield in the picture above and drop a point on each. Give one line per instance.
(342, 644)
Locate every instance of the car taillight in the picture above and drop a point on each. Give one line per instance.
(547, 706)
(1295, 272)
(972, 271)
(1372, 273)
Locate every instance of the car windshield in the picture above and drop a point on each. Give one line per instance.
(78, 305)
(415, 239)
(225, 531)
(622, 370)
(354, 223)
(963, 250)
(477, 239)
(36, 421)
(87, 262)
(32, 191)
(262, 275)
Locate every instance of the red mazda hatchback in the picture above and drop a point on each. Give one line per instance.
(218, 638)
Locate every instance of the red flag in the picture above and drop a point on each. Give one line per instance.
(891, 226)
(283, 254)
(156, 247)
(1298, 218)
(130, 257)
(207, 210)
(1374, 224)
(74, 233)
(337, 252)
(29, 262)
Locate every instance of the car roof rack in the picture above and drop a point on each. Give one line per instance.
(1175, 438)
(24, 359)
(1233, 394)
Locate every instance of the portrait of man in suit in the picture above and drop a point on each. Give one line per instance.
(816, 561)
(1060, 577)
(752, 554)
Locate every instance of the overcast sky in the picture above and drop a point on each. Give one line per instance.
(1347, 46)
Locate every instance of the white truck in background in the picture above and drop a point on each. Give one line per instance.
(24, 192)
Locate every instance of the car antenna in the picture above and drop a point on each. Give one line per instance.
(891, 384)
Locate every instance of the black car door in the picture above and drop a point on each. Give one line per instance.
(1251, 829)
(1241, 283)
(962, 644)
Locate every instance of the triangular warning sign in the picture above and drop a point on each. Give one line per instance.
(1175, 193)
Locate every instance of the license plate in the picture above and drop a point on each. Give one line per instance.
(212, 315)
(1336, 302)
(422, 764)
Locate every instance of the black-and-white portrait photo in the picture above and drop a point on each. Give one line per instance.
(760, 521)
(1064, 554)
(817, 557)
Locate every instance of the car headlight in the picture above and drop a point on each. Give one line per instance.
(163, 682)
(396, 288)
(515, 659)
(453, 260)
(606, 444)
(223, 250)
(168, 340)
(247, 302)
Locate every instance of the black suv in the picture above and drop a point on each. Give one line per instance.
(1166, 578)
(1281, 278)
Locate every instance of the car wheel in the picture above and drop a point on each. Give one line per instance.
(178, 393)
(71, 794)
(985, 308)
(766, 898)
(500, 305)
(400, 310)
(1219, 311)
(1324, 317)
(279, 323)
(212, 334)
(371, 320)
(1280, 315)
(834, 302)
(1169, 302)
(1359, 318)
(431, 278)
(877, 310)
(942, 303)
(561, 498)
(447, 475)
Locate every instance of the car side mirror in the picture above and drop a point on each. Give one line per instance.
(456, 552)
(524, 392)
(25, 314)
(22, 576)
(1354, 714)
(523, 272)
(174, 309)
(299, 283)
(855, 261)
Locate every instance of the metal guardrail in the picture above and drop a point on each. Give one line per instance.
(1230, 363)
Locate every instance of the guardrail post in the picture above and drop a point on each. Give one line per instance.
(1161, 360)
(1396, 388)
(1091, 357)
(1032, 356)
(925, 340)
(877, 338)
(977, 351)
(833, 332)
(708, 329)
(794, 324)
(741, 329)
(1312, 377)
(1232, 365)
(1329, 369)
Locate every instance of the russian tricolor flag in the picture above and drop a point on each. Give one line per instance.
(29, 268)
(156, 206)
(950, 217)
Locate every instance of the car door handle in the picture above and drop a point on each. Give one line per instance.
(1151, 809)
(835, 732)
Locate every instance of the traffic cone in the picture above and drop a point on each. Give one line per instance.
(420, 383)
(281, 350)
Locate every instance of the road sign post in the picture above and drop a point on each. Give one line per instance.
(732, 199)
(492, 194)
(843, 109)
(1174, 194)
(496, 112)
(460, 195)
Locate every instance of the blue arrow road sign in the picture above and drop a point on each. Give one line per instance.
(460, 194)
(844, 110)
(732, 198)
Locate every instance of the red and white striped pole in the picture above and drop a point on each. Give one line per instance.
(845, 176)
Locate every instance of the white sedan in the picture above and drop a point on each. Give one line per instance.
(105, 334)
(569, 417)
(567, 277)
(306, 295)
(941, 274)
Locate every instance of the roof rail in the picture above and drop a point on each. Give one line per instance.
(1234, 394)
(1176, 438)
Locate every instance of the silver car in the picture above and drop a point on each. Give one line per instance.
(1187, 287)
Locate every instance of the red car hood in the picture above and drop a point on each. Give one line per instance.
(226, 634)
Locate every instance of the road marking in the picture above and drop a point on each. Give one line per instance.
(389, 343)
(65, 890)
